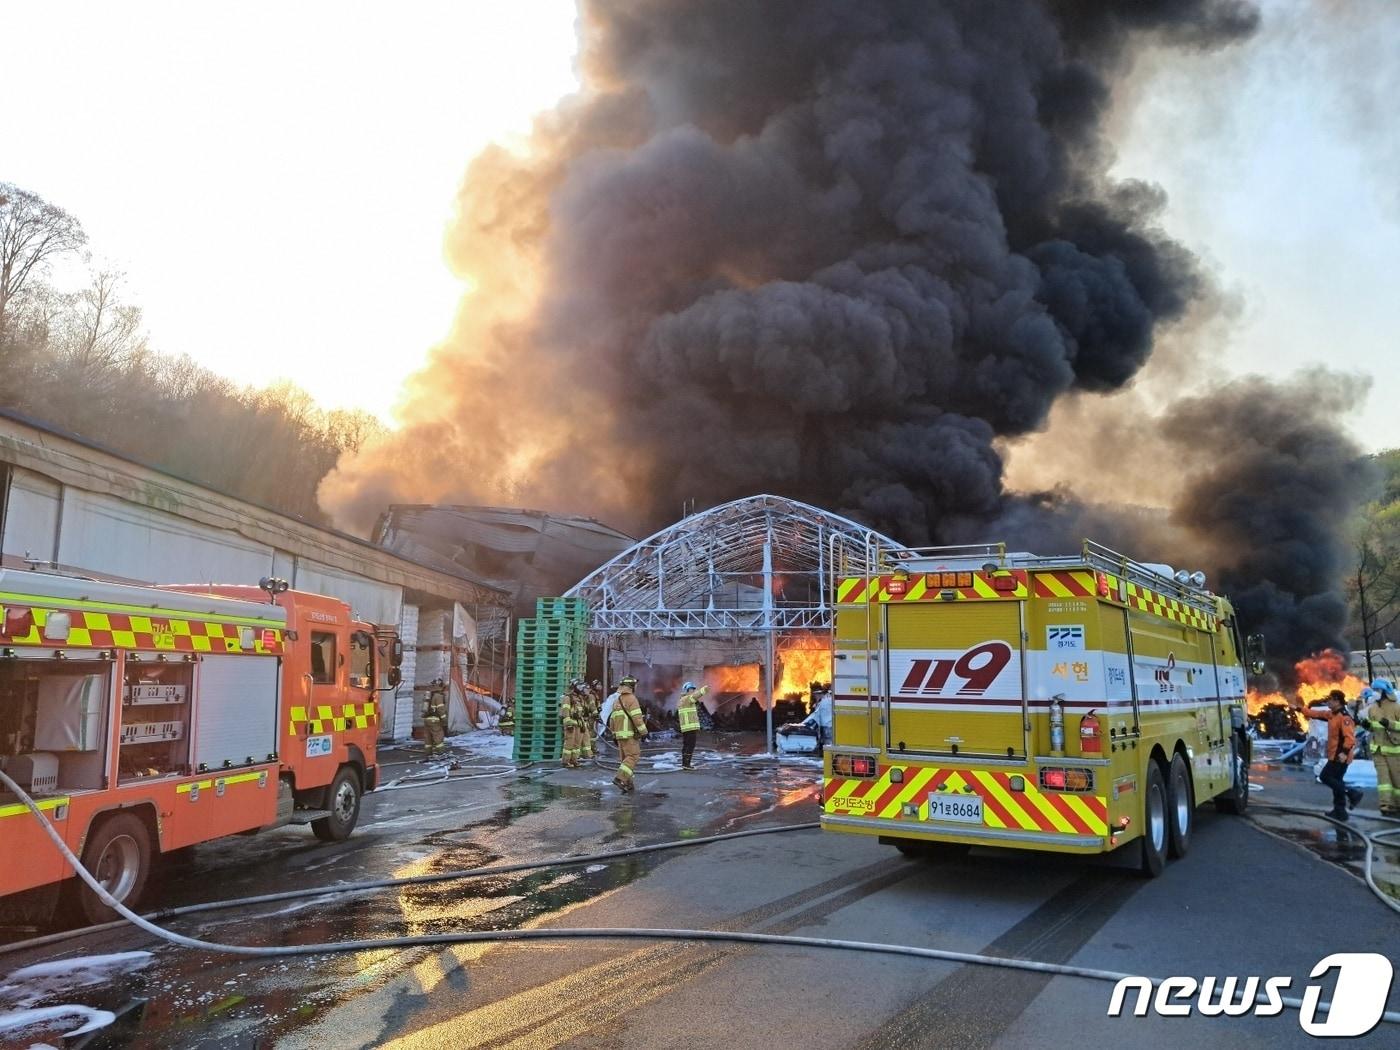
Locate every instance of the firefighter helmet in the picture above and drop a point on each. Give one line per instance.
(688, 687)
(629, 682)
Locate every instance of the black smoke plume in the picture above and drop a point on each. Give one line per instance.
(828, 249)
(823, 248)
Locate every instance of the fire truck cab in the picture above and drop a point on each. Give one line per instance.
(148, 719)
(1071, 704)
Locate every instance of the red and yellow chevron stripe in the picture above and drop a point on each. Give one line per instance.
(930, 586)
(91, 629)
(1069, 583)
(1028, 810)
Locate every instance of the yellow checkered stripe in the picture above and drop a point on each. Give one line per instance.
(19, 808)
(93, 629)
(1147, 600)
(923, 587)
(1029, 809)
(333, 718)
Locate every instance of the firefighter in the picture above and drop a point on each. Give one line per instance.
(689, 712)
(628, 726)
(435, 717)
(1382, 718)
(1341, 742)
(568, 718)
(588, 723)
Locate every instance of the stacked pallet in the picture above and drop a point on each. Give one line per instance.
(550, 651)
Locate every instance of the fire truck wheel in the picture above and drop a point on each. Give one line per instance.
(1181, 803)
(344, 804)
(1236, 799)
(118, 854)
(1155, 834)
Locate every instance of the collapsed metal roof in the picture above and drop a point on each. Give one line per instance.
(521, 553)
(755, 565)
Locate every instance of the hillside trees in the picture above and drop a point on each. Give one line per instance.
(80, 361)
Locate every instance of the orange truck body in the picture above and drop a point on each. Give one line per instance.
(205, 711)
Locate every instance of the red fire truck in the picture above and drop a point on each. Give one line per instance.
(148, 719)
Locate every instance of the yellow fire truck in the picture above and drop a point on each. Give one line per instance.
(1070, 704)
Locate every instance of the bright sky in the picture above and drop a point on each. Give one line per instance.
(275, 178)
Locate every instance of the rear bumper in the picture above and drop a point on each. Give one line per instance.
(961, 833)
(1016, 810)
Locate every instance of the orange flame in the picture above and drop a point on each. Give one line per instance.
(1317, 676)
(744, 678)
(803, 661)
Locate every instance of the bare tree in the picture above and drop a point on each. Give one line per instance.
(350, 430)
(103, 330)
(32, 231)
(1375, 580)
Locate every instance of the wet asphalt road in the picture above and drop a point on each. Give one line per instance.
(1246, 901)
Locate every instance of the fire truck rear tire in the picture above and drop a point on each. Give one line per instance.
(118, 853)
(343, 800)
(1181, 806)
(1155, 833)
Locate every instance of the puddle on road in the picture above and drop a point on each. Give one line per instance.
(194, 1000)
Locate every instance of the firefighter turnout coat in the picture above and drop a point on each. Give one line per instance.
(1385, 751)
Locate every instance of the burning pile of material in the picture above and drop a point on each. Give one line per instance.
(1276, 715)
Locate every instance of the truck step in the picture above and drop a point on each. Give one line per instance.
(306, 816)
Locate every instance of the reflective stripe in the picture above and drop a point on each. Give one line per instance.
(624, 769)
(19, 807)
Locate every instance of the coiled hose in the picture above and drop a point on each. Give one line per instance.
(579, 933)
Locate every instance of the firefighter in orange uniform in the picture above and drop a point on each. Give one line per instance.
(628, 726)
(568, 717)
(1341, 742)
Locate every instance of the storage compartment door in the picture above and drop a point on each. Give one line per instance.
(71, 711)
(236, 719)
(954, 684)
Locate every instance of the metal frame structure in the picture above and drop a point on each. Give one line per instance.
(754, 567)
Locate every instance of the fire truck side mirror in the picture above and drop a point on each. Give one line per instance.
(1254, 653)
(395, 676)
(396, 653)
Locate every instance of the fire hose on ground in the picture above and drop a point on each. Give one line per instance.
(576, 933)
(1369, 838)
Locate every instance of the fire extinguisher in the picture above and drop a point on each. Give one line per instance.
(1090, 743)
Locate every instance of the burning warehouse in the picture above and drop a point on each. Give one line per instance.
(734, 597)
